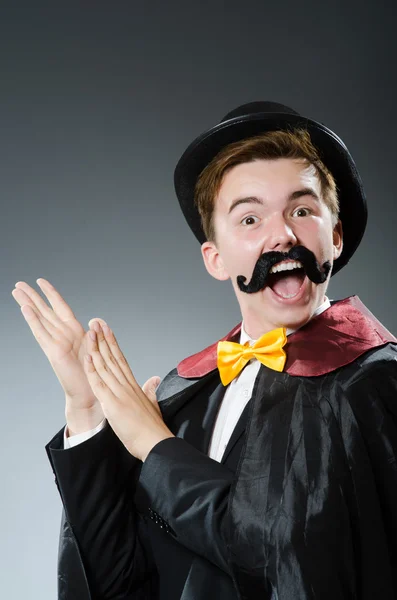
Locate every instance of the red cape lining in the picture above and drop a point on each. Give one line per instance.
(328, 341)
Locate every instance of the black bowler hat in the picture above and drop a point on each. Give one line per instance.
(252, 119)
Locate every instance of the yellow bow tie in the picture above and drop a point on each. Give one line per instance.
(268, 349)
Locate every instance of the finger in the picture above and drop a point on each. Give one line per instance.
(106, 375)
(94, 319)
(41, 334)
(58, 303)
(149, 388)
(38, 302)
(119, 356)
(23, 300)
(99, 387)
(108, 357)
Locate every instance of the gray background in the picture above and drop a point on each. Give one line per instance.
(98, 101)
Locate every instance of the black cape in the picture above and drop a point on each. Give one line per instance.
(312, 509)
(310, 512)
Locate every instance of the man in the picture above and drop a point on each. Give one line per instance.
(260, 469)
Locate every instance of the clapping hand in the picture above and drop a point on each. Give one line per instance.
(63, 340)
(104, 383)
(132, 411)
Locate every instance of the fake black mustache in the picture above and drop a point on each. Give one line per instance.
(265, 262)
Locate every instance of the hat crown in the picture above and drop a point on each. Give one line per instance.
(262, 106)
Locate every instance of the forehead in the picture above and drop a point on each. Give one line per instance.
(268, 178)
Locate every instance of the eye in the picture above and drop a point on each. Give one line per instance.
(252, 217)
(307, 210)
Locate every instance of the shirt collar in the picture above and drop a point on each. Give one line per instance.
(244, 337)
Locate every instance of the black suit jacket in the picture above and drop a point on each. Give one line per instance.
(304, 506)
(99, 477)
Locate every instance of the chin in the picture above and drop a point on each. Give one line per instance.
(295, 316)
(295, 321)
(292, 315)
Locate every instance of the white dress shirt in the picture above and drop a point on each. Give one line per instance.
(237, 394)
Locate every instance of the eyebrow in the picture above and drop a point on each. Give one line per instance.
(294, 196)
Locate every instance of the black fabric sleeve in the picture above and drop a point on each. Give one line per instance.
(101, 528)
(190, 491)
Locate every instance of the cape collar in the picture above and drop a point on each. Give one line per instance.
(330, 340)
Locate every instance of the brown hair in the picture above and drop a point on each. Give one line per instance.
(271, 145)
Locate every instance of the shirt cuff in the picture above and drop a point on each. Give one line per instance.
(74, 440)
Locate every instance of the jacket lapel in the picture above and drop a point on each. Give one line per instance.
(209, 419)
(238, 432)
(174, 391)
(195, 421)
(190, 412)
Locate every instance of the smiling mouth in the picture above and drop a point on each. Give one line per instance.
(286, 284)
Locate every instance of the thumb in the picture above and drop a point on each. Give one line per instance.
(150, 386)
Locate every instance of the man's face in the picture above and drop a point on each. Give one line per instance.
(271, 205)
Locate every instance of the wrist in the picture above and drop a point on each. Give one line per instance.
(81, 420)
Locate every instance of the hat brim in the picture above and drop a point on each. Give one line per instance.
(332, 151)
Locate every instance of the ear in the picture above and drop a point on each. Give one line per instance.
(213, 261)
(337, 238)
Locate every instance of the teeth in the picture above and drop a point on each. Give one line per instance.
(289, 296)
(286, 266)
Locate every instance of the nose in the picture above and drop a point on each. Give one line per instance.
(280, 237)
